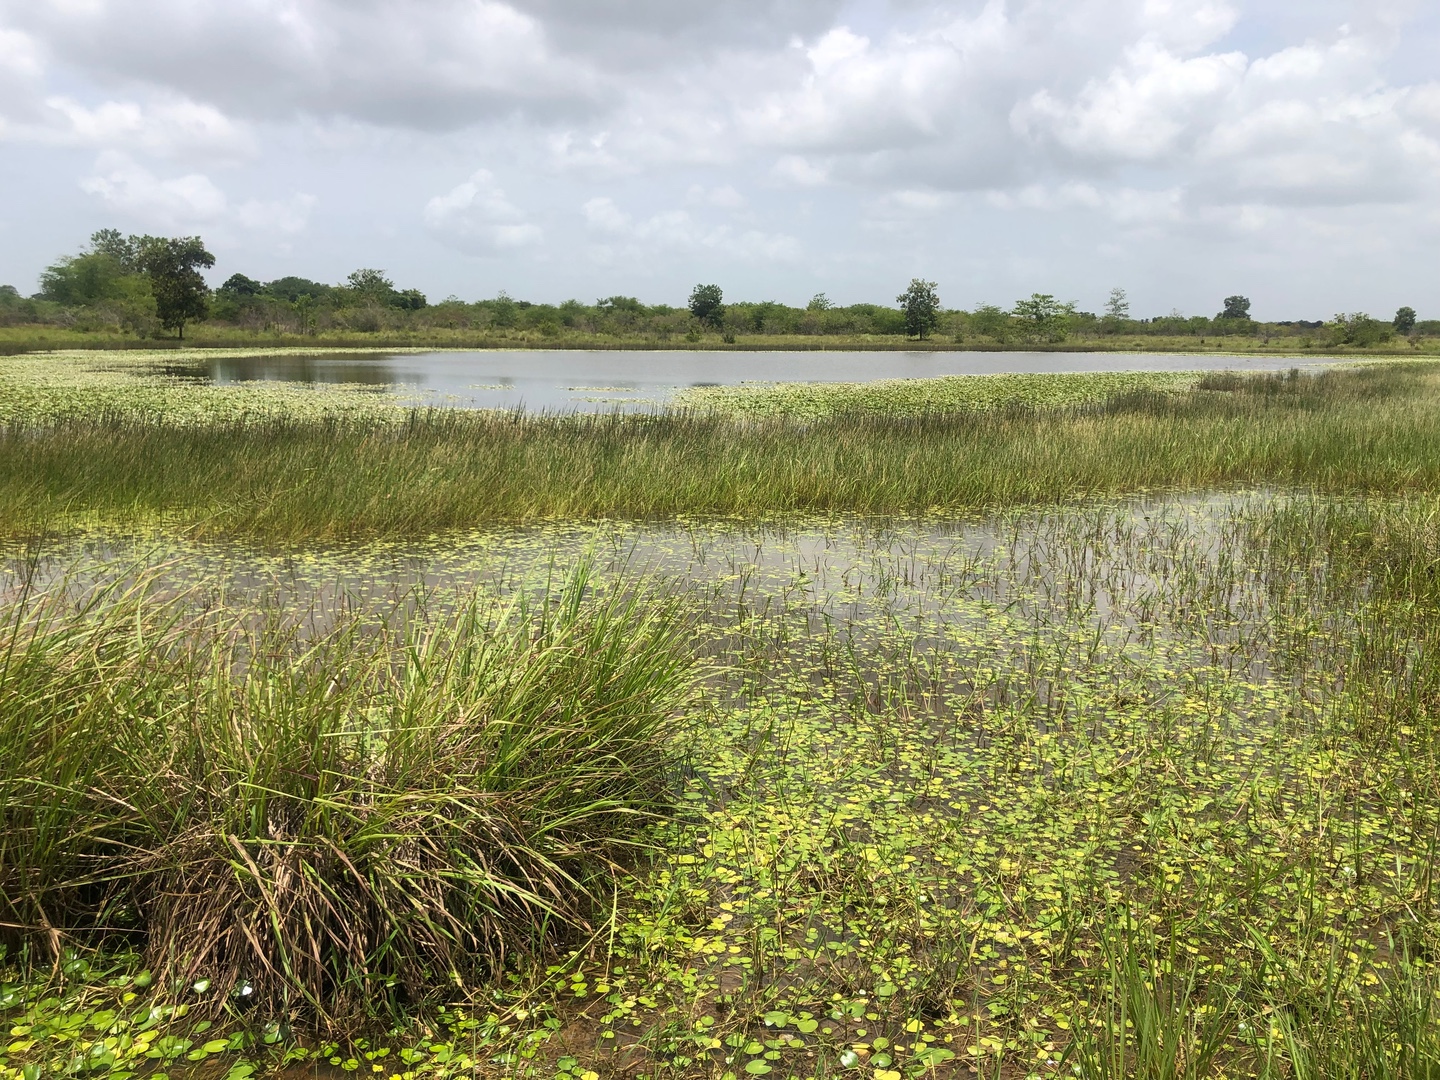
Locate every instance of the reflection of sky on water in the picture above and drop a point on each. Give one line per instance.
(1043, 565)
(602, 380)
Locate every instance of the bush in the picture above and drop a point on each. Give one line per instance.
(344, 821)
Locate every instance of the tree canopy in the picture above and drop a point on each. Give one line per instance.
(173, 267)
(1236, 307)
(921, 304)
(1042, 317)
(707, 303)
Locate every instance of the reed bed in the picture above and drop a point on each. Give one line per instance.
(1361, 430)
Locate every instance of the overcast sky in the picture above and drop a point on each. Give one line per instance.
(1185, 150)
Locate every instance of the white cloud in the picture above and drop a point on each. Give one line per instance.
(477, 218)
(281, 216)
(188, 202)
(725, 197)
(750, 132)
(603, 215)
(21, 71)
(801, 171)
(170, 128)
(622, 237)
(177, 203)
(1126, 206)
(1155, 106)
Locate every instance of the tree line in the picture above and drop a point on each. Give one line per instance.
(151, 286)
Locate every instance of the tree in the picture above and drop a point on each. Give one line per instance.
(991, 321)
(1118, 306)
(1043, 317)
(1236, 307)
(921, 305)
(621, 303)
(409, 300)
(707, 303)
(293, 288)
(75, 280)
(819, 302)
(125, 250)
(173, 267)
(371, 286)
(1404, 320)
(240, 285)
(1359, 329)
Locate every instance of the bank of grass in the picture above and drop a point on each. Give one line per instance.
(30, 339)
(328, 816)
(1366, 429)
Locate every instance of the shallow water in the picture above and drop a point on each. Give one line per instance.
(1104, 567)
(602, 380)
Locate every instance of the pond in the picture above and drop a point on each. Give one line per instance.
(590, 381)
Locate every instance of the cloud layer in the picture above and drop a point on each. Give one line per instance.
(789, 144)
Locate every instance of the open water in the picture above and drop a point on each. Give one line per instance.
(590, 381)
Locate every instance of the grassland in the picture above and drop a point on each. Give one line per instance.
(916, 741)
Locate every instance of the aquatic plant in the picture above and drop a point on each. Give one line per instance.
(414, 473)
(324, 817)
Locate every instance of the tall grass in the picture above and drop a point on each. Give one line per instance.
(1371, 430)
(328, 822)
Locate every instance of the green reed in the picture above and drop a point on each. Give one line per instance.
(1365, 430)
(326, 817)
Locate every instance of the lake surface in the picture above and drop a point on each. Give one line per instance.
(602, 380)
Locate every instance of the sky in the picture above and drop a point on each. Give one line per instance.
(1184, 150)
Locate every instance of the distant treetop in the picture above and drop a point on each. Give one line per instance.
(1236, 307)
(707, 303)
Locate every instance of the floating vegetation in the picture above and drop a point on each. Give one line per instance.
(153, 386)
(901, 397)
(1143, 788)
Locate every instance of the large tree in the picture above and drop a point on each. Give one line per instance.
(921, 304)
(707, 303)
(1404, 320)
(173, 267)
(1236, 307)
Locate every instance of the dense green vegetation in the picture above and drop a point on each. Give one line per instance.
(879, 731)
(329, 823)
(111, 295)
(1371, 429)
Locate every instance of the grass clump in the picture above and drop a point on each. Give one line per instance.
(328, 822)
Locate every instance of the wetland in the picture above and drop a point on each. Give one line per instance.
(1054, 725)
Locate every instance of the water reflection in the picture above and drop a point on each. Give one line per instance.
(590, 381)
